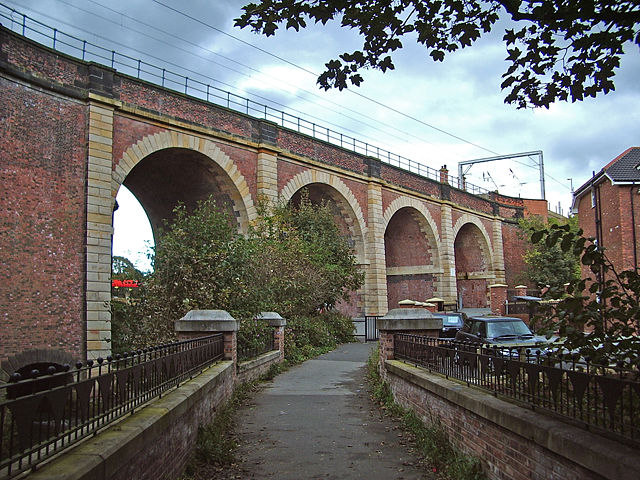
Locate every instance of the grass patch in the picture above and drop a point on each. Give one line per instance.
(432, 440)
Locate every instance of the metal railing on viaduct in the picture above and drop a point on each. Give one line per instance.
(125, 64)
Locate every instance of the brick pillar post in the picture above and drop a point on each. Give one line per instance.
(231, 346)
(439, 302)
(429, 306)
(444, 174)
(278, 340)
(498, 298)
(278, 323)
(521, 290)
(200, 323)
(416, 321)
(386, 345)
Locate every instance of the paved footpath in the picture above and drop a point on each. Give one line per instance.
(316, 421)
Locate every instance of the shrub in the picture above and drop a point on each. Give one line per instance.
(308, 336)
(293, 261)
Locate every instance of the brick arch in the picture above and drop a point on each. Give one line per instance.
(160, 141)
(349, 207)
(28, 357)
(474, 269)
(486, 245)
(425, 220)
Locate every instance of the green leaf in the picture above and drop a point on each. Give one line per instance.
(537, 236)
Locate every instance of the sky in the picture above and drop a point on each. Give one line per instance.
(433, 113)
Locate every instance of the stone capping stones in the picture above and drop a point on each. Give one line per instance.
(406, 302)
(207, 321)
(273, 319)
(412, 319)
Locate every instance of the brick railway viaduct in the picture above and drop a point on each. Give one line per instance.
(73, 132)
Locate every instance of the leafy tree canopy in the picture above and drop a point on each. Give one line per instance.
(123, 269)
(305, 264)
(549, 265)
(293, 261)
(557, 50)
(599, 318)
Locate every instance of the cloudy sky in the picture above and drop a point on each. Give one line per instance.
(432, 113)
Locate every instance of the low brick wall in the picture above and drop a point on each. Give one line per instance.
(513, 443)
(256, 367)
(153, 443)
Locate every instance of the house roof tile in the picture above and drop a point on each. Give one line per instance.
(625, 167)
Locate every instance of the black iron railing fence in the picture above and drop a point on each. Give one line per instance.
(247, 352)
(45, 414)
(520, 308)
(87, 51)
(598, 397)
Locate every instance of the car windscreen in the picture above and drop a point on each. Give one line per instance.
(497, 329)
(451, 320)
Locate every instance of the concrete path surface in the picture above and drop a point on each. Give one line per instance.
(316, 421)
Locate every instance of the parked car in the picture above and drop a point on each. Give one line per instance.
(501, 332)
(451, 323)
(616, 353)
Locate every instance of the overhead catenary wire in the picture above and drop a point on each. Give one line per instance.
(278, 80)
(410, 117)
(305, 114)
(293, 64)
(262, 73)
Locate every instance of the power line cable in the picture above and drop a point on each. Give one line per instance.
(341, 106)
(250, 68)
(266, 52)
(305, 114)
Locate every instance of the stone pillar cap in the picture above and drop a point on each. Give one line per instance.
(207, 321)
(406, 301)
(424, 304)
(521, 286)
(274, 319)
(407, 313)
(413, 319)
(435, 299)
(498, 285)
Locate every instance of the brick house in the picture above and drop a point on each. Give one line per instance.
(608, 209)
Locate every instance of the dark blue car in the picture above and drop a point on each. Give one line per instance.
(451, 323)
